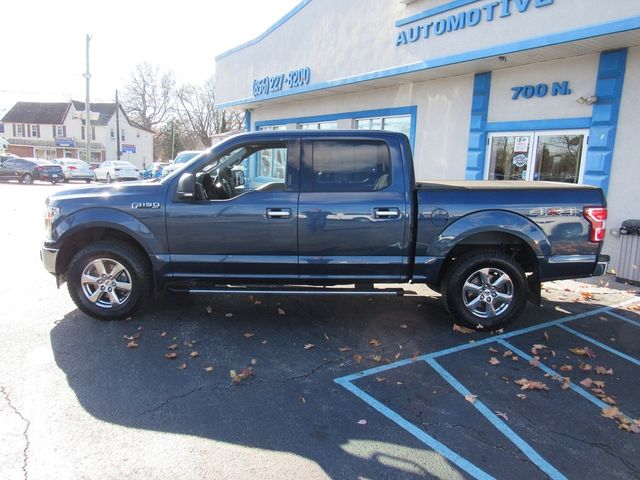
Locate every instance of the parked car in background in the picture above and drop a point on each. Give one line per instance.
(117, 170)
(154, 170)
(75, 169)
(6, 156)
(180, 161)
(26, 170)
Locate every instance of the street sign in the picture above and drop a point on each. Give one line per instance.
(127, 148)
(65, 142)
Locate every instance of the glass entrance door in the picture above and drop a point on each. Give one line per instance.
(556, 156)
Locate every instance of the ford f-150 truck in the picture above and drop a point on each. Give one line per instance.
(325, 212)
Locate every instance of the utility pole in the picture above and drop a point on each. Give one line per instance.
(87, 108)
(118, 126)
(173, 139)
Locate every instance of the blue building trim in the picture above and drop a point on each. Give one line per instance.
(619, 26)
(546, 124)
(604, 121)
(385, 112)
(476, 152)
(269, 31)
(434, 11)
(247, 120)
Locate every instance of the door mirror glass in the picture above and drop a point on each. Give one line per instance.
(238, 176)
(186, 187)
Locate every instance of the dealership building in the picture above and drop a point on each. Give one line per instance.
(484, 89)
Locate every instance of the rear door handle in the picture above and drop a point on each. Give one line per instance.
(278, 213)
(386, 212)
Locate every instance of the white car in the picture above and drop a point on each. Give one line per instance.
(181, 159)
(117, 170)
(75, 169)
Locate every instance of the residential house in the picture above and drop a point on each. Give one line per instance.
(57, 130)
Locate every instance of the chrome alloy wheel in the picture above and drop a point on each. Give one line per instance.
(487, 292)
(106, 283)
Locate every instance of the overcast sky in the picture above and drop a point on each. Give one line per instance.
(43, 53)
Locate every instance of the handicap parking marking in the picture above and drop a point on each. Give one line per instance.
(628, 320)
(431, 360)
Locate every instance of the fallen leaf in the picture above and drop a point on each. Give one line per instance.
(308, 346)
(526, 384)
(609, 400)
(326, 337)
(566, 368)
(534, 362)
(233, 374)
(357, 357)
(586, 383)
(471, 398)
(362, 422)
(135, 336)
(461, 329)
(228, 315)
(375, 342)
(182, 366)
(132, 344)
(508, 353)
(566, 383)
(377, 359)
(380, 379)
(604, 371)
(193, 354)
(170, 355)
(245, 374)
(208, 369)
(163, 334)
(302, 400)
(546, 336)
(404, 325)
(502, 415)
(264, 342)
(209, 310)
(257, 302)
(586, 295)
(610, 412)
(494, 361)
(248, 334)
(515, 358)
(281, 311)
(344, 349)
(172, 346)
(585, 367)
(253, 361)
(397, 356)
(599, 383)
(414, 357)
(493, 350)
(537, 347)
(584, 352)
(521, 396)
(499, 332)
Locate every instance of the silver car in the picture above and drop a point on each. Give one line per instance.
(117, 170)
(75, 169)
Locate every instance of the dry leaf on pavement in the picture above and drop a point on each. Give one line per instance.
(132, 344)
(172, 346)
(494, 361)
(308, 346)
(586, 383)
(526, 384)
(193, 354)
(248, 334)
(357, 357)
(502, 415)
(374, 342)
(604, 371)
(461, 329)
(344, 349)
(281, 311)
(208, 369)
(182, 366)
(170, 355)
(471, 398)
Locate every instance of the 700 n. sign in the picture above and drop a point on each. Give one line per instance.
(276, 83)
(541, 90)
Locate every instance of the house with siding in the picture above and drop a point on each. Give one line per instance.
(57, 130)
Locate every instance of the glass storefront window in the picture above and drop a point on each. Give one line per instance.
(318, 126)
(400, 124)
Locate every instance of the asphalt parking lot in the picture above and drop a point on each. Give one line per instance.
(338, 387)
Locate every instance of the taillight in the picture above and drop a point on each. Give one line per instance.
(596, 217)
(72, 168)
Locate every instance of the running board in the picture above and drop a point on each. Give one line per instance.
(295, 291)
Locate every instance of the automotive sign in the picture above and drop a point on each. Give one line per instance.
(126, 148)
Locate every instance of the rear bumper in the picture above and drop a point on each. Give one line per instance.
(49, 257)
(561, 267)
(48, 177)
(602, 265)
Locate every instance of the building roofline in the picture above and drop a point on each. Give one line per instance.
(270, 30)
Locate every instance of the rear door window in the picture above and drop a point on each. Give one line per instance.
(350, 166)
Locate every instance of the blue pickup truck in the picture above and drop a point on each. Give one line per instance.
(325, 213)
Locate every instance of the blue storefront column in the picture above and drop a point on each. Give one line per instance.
(476, 153)
(604, 121)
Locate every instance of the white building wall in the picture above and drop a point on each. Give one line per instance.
(625, 174)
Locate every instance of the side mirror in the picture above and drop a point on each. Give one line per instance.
(238, 176)
(187, 187)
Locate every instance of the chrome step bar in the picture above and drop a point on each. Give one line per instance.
(232, 290)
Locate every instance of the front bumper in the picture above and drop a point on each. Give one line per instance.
(49, 256)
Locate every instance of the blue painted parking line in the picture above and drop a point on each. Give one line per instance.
(512, 436)
(428, 440)
(628, 320)
(579, 390)
(603, 346)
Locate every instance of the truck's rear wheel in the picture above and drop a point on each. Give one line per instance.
(485, 289)
(108, 280)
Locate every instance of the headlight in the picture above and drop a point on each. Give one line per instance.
(50, 216)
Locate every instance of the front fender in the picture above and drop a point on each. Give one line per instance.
(146, 231)
(491, 221)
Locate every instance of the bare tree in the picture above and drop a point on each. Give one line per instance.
(148, 95)
(196, 109)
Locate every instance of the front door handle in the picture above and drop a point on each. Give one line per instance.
(386, 212)
(278, 213)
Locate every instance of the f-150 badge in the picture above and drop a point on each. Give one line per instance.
(145, 205)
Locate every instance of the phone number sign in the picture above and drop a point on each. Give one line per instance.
(276, 83)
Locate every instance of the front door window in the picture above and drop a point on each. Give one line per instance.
(549, 156)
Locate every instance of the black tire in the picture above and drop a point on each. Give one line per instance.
(135, 279)
(483, 303)
(88, 181)
(109, 178)
(27, 178)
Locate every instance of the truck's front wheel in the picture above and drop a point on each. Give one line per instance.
(108, 280)
(485, 289)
